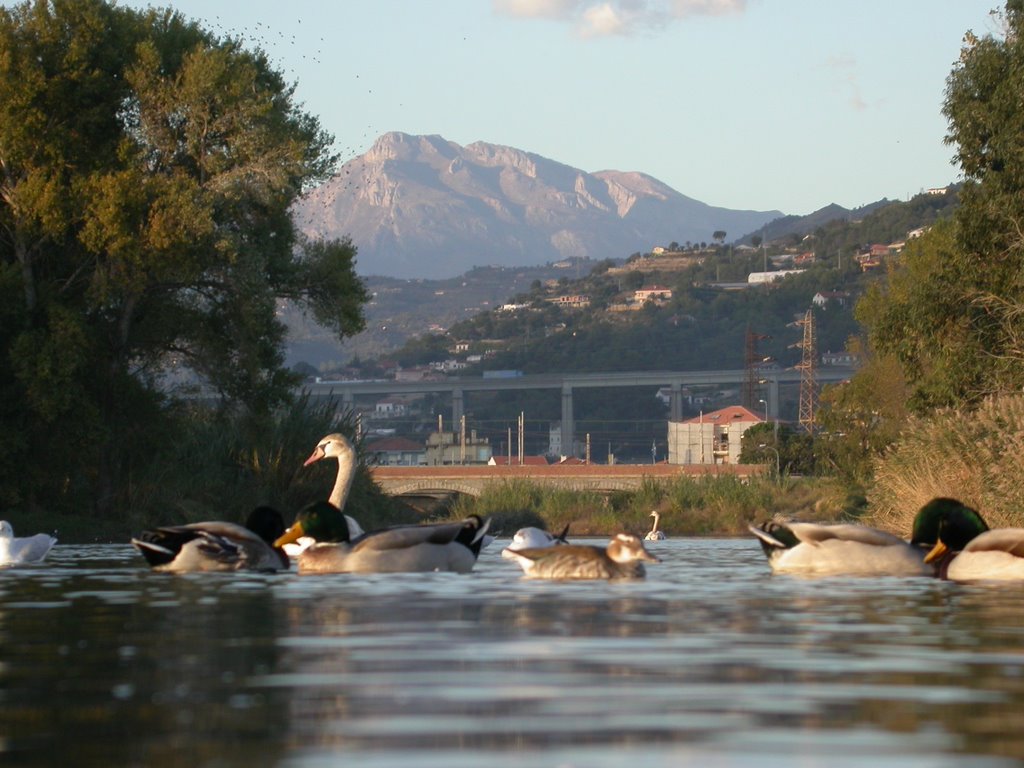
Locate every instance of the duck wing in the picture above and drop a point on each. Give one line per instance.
(406, 536)
(812, 533)
(788, 535)
(207, 546)
(1008, 540)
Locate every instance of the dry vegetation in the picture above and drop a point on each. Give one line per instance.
(975, 456)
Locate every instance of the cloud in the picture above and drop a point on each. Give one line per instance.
(593, 18)
(849, 83)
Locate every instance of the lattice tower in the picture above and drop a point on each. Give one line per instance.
(753, 363)
(808, 382)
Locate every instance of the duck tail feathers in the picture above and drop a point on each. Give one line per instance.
(767, 540)
(154, 553)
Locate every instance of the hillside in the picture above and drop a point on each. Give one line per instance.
(701, 322)
(423, 207)
(404, 309)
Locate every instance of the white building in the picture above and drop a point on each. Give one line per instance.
(710, 438)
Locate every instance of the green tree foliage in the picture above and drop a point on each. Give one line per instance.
(147, 169)
(944, 329)
(949, 311)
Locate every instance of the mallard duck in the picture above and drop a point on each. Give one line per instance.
(216, 546)
(400, 549)
(842, 549)
(22, 550)
(535, 538)
(968, 550)
(337, 446)
(623, 558)
(654, 534)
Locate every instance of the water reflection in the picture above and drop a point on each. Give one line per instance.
(710, 661)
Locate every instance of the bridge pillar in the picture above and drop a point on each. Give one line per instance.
(568, 427)
(773, 398)
(458, 408)
(675, 408)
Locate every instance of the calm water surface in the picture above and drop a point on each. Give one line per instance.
(709, 662)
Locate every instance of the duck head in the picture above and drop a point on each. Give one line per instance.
(625, 548)
(266, 522)
(320, 520)
(925, 532)
(956, 528)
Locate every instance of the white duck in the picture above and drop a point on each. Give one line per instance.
(654, 534)
(26, 549)
(841, 549)
(333, 446)
(623, 558)
(534, 538)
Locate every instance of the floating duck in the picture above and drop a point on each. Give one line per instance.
(400, 549)
(216, 546)
(23, 550)
(623, 558)
(535, 538)
(968, 550)
(842, 549)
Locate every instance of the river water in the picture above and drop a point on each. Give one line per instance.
(711, 662)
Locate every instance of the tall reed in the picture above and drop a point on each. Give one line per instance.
(711, 505)
(976, 456)
(220, 467)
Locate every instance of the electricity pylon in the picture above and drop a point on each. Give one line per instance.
(807, 366)
(754, 361)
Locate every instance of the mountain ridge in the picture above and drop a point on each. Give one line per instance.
(425, 207)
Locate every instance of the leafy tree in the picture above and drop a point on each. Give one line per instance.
(147, 169)
(949, 311)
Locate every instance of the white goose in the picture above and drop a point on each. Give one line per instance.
(27, 549)
(333, 446)
(654, 534)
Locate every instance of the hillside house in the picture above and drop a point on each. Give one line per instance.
(576, 301)
(710, 438)
(822, 298)
(652, 293)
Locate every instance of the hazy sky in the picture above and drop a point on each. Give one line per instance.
(750, 104)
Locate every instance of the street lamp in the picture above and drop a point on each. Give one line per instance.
(762, 400)
(778, 470)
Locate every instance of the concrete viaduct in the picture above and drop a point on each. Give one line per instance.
(567, 382)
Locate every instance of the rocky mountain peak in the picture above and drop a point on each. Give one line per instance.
(423, 206)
